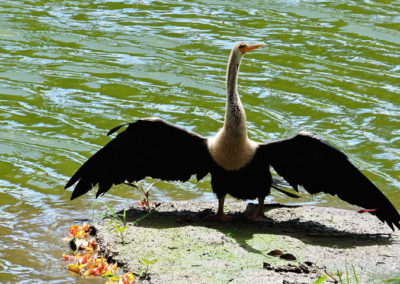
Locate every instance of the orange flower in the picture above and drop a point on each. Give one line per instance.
(84, 259)
(127, 278)
(76, 268)
(98, 268)
(78, 231)
(89, 246)
(87, 262)
(68, 257)
(73, 230)
(143, 203)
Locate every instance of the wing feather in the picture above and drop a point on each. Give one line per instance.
(319, 167)
(148, 147)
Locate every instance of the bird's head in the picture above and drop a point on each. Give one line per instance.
(244, 47)
(241, 48)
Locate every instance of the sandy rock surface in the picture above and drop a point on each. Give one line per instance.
(188, 249)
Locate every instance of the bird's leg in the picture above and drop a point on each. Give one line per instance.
(259, 215)
(221, 216)
(220, 212)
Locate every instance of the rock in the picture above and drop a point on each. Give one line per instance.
(188, 249)
(275, 252)
(288, 256)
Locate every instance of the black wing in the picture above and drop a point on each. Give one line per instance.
(319, 167)
(148, 147)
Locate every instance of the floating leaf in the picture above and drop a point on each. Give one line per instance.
(113, 279)
(75, 267)
(68, 257)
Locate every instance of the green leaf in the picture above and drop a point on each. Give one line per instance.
(109, 274)
(120, 229)
(148, 262)
(144, 216)
(340, 277)
(355, 275)
(321, 279)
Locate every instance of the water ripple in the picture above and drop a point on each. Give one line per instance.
(70, 70)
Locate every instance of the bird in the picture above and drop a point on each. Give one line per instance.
(238, 166)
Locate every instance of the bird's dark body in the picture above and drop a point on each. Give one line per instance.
(250, 182)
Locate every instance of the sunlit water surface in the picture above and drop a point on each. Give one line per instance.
(71, 70)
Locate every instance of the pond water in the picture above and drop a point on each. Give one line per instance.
(71, 70)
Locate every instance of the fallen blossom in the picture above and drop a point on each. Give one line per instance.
(85, 260)
(78, 231)
(143, 203)
(127, 278)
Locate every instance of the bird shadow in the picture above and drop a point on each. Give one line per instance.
(242, 230)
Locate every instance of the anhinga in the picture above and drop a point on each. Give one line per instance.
(152, 147)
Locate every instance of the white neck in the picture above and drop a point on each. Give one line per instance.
(235, 116)
(230, 147)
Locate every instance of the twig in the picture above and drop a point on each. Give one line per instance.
(333, 278)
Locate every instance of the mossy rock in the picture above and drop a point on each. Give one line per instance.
(188, 249)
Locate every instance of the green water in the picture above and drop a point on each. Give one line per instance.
(71, 70)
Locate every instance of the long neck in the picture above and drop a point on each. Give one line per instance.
(235, 116)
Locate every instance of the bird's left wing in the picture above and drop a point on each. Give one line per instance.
(148, 147)
(319, 167)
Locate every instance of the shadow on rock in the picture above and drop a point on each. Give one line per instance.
(320, 226)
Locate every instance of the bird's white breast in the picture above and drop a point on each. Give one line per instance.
(231, 153)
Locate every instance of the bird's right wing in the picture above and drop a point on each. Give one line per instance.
(148, 147)
(319, 167)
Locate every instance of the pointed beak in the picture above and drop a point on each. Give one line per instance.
(251, 47)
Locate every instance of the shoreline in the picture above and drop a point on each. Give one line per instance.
(185, 248)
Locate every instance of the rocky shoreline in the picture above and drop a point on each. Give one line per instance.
(179, 246)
